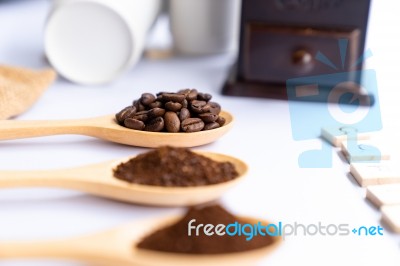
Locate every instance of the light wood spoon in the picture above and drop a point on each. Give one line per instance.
(106, 127)
(98, 179)
(118, 247)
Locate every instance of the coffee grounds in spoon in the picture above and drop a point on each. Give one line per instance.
(174, 167)
(175, 238)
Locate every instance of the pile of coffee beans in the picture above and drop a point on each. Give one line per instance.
(185, 111)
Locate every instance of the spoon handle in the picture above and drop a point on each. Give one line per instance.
(87, 249)
(12, 179)
(101, 248)
(85, 178)
(51, 249)
(16, 129)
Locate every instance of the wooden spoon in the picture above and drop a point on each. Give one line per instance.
(98, 179)
(118, 247)
(106, 127)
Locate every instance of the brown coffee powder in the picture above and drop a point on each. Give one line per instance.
(174, 167)
(175, 238)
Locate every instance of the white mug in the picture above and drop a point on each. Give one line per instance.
(94, 41)
(205, 26)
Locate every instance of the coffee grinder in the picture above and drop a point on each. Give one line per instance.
(282, 40)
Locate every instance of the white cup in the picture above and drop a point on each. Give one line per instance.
(205, 26)
(94, 41)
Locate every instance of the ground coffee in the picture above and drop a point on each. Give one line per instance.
(184, 111)
(175, 238)
(180, 167)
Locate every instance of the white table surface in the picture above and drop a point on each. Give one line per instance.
(276, 188)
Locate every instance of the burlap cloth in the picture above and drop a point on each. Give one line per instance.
(20, 88)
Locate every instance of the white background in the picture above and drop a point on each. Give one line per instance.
(276, 188)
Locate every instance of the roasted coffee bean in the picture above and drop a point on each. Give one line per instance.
(206, 108)
(200, 107)
(184, 104)
(142, 116)
(155, 125)
(208, 117)
(192, 95)
(204, 96)
(135, 103)
(172, 97)
(173, 106)
(184, 114)
(212, 125)
(172, 122)
(134, 124)
(147, 98)
(221, 121)
(198, 103)
(215, 108)
(139, 106)
(192, 125)
(197, 106)
(162, 92)
(155, 112)
(184, 91)
(156, 104)
(125, 113)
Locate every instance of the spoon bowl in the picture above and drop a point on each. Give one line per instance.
(118, 247)
(98, 179)
(107, 128)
